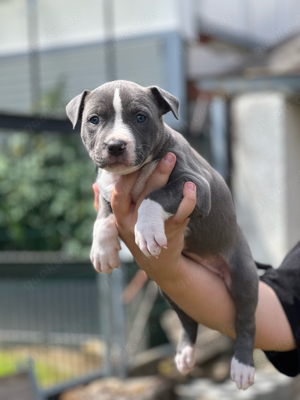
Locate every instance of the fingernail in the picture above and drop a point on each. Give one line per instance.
(168, 158)
(191, 187)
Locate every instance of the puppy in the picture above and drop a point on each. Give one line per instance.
(123, 131)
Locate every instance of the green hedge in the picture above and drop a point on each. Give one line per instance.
(46, 194)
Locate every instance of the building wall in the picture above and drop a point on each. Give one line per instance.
(292, 173)
(75, 21)
(260, 169)
(72, 22)
(147, 60)
(71, 35)
(268, 22)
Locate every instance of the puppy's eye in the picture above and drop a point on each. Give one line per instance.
(140, 118)
(94, 120)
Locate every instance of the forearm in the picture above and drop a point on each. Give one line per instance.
(203, 295)
(152, 266)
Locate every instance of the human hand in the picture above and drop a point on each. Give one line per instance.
(125, 211)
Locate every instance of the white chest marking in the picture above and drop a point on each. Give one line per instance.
(142, 179)
(107, 181)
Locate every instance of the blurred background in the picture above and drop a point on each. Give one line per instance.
(65, 332)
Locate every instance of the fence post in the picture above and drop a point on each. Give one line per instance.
(112, 321)
(105, 317)
(119, 328)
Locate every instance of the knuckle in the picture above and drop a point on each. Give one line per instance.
(160, 170)
(118, 194)
(178, 221)
(188, 203)
(163, 169)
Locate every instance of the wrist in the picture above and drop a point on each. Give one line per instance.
(163, 270)
(176, 281)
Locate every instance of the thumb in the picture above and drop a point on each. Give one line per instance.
(187, 204)
(159, 177)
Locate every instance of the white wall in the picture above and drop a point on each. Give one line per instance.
(292, 174)
(268, 21)
(77, 21)
(266, 179)
(259, 160)
(73, 21)
(13, 28)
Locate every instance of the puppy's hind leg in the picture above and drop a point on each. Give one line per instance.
(244, 290)
(185, 353)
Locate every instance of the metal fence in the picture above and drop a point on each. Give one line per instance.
(69, 323)
(49, 313)
(49, 303)
(56, 313)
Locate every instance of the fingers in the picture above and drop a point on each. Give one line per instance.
(121, 197)
(187, 204)
(160, 176)
(96, 194)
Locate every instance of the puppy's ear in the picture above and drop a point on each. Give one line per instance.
(75, 107)
(165, 100)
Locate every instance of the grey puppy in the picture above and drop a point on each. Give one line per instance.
(123, 131)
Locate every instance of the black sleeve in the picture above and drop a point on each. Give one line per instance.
(285, 281)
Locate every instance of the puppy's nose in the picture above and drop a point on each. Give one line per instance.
(116, 148)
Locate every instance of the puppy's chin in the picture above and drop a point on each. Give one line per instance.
(121, 169)
(120, 165)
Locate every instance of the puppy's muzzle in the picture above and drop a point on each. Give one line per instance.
(116, 148)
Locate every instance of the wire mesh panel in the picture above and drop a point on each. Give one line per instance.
(139, 59)
(49, 308)
(51, 317)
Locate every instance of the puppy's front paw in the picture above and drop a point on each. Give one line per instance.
(150, 239)
(104, 253)
(150, 228)
(242, 374)
(105, 257)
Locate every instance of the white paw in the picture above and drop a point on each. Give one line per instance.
(150, 228)
(150, 238)
(242, 374)
(104, 253)
(105, 259)
(185, 360)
